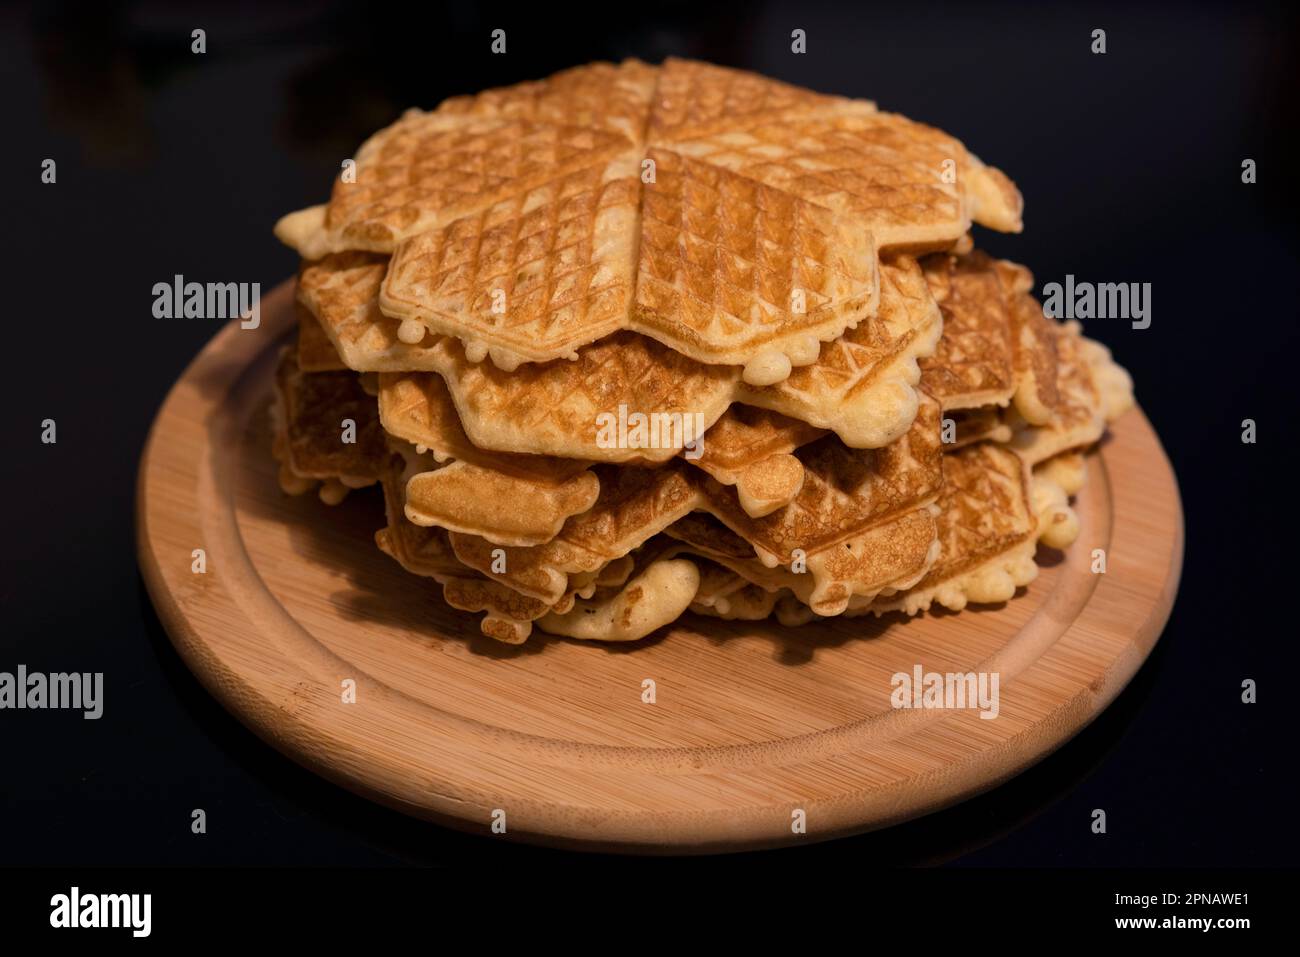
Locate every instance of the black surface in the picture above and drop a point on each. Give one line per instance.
(170, 163)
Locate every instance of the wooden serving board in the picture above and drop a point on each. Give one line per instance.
(751, 723)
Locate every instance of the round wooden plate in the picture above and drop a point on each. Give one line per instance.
(751, 724)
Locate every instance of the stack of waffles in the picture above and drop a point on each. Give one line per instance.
(635, 341)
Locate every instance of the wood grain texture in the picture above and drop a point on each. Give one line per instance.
(751, 721)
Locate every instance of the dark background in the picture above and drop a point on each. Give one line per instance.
(169, 162)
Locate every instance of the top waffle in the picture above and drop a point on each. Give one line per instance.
(737, 220)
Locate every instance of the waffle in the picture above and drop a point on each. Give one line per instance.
(722, 593)
(751, 449)
(309, 418)
(315, 351)
(508, 615)
(430, 169)
(889, 556)
(992, 516)
(882, 170)
(657, 596)
(976, 425)
(972, 366)
(987, 533)
(737, 220)
(747, 448)
(427, 552)
(840, 524)
(714, 266)
(1092, 389)
(861, 386)
(469, 490)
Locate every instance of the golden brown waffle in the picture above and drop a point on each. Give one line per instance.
(732, 272)
(421, 551)
(992, 515)
(430, 169)
(747, 448)
(862, 521)
(469, 490)
(843, 489)
(887, 557)
(972, 365)
(655, 597)
(1033, 349)
(427, 552)
(342, 292)
(313, 439)
(508, 615)
(728, 272)
(1080, 416)
(969, 426)
(634, 504)
(988, 530)
(910, 184)
(316, 353)
(559, 408)
(736, 219)
(1007, 373)
(724, 594)
(532, 277)
(997, 348)
(694, 242)
(505, 509)
(883, 170)
(750, 449)
(1089, 390)
(862, 385)
(859, 515)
